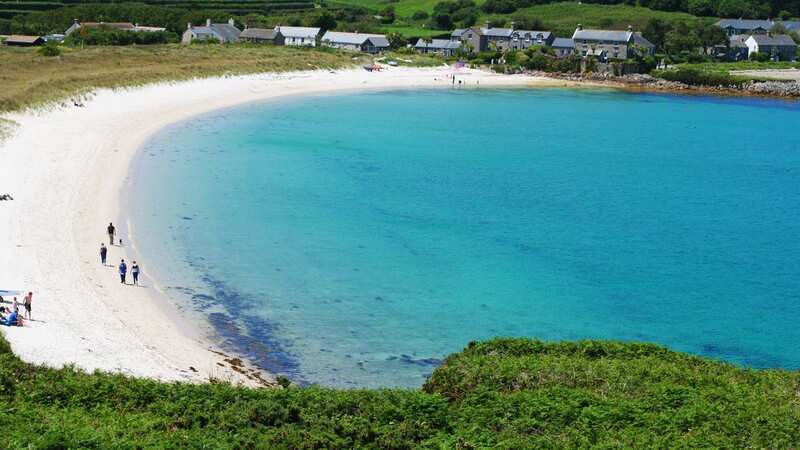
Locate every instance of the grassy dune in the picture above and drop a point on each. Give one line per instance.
(501, 394)
(29, 79)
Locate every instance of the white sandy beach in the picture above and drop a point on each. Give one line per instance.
(66, 165)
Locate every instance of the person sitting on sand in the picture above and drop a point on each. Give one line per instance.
(12, 320)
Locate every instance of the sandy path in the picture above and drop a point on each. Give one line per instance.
(66, 166)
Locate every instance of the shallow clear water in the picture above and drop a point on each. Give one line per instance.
(358, 239)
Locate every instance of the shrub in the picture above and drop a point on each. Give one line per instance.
(760, 56)
(696, 77)
(420, 15)
(50, 50)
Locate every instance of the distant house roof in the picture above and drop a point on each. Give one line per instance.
(497, 32)
(532, 34)
(299, 32)
(267, 34)
(603, 35)
(338, 37)
(641, 41)
(438, 44)
(379, 41)
(752, 24)
(458, 32)
(563, 43)
(22, 40)
(226, 31)
(782, 40)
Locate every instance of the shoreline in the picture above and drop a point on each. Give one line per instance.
(69, 166)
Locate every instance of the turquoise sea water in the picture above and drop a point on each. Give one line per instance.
(356, 240)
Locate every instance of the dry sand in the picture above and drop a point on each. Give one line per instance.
(66, 165)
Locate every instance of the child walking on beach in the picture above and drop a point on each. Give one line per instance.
(111, 232)
(103, 253)
(123, 270)
(135, 272)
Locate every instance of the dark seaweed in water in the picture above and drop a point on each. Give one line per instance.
(257, 341)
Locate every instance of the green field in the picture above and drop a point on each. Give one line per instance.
(561, 18)
(510, 394)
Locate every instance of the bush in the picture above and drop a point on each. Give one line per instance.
(50, 50)
(760, 57)
(696, 77)
(108, 36)
(420, 15)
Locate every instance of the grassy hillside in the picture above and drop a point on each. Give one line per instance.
(504, 393)
(563, 17)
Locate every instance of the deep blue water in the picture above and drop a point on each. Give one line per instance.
(358, 239)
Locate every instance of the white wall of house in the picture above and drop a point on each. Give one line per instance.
(300, 41)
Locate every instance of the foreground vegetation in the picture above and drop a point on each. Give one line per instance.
(28, 78)
(514, 393)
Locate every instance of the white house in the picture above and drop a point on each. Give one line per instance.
(779, 46)
(359, 42)
(299, 36)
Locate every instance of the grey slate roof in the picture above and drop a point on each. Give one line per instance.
(776, 40)
(497, 32)
(458, 32)
(532, 34)
(267, 34)
(640, 40)
(438, 44)
(603, 35)
(337, 37)
(563, 43)
(737, 40)
(746, 24)
(228, 32)
(379, 41)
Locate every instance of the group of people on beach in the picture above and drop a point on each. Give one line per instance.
(10, 316)
(123, 266)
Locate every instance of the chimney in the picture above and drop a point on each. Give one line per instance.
(580, 27)
(208, 22)
(189, 26)
(630, 28)
(230, 21)
(488, 24)
(513, 25)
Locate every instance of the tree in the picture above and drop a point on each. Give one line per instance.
(700, 7)
(656, 32)
(396, 40)
(680, 39)
(325, 21)
(709, 36)
(420, 15)
(388, 15)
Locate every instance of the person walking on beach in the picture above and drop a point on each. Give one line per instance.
(123, 270)
(27, 303)
(111, 232)
(103, 253)
(135, 272)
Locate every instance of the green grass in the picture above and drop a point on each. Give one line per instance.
(562, 18)
(28, 78)
(726, 67)
(511, 394)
